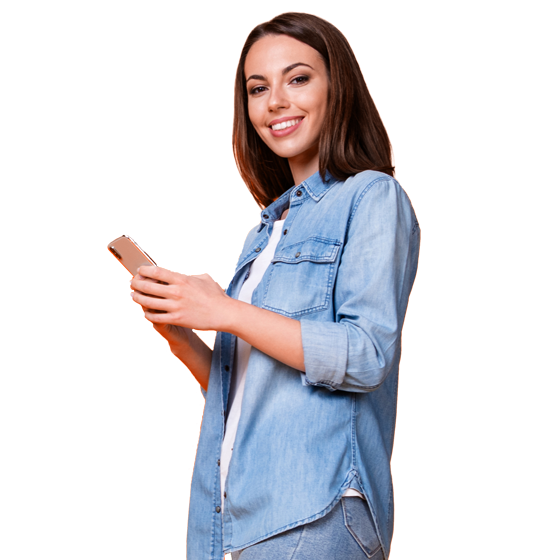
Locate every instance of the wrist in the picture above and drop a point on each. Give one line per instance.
(178, 338)
(230, 315)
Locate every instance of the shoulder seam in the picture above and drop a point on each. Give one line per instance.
(362, 194)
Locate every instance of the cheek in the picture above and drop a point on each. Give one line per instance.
(256, 121)
(257, 111)
(252, 110)
(320, 113)
(316, 105)
(323, 99)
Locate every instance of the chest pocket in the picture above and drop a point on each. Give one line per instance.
(302, 277)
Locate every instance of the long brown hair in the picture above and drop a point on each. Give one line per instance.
(353, 137)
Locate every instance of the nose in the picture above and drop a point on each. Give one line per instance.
(277, 99)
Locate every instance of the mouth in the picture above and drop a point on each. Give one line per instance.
(285, 127)
(286, 124)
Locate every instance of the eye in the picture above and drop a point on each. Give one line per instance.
(299, 80)
(256, 90)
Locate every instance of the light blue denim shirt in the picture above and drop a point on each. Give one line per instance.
(344, 268)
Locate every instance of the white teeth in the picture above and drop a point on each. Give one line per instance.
(285, 124)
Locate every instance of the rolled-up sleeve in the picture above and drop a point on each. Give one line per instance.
(356, 351)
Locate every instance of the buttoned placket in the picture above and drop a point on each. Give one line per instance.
(285, 232)
(257, 250)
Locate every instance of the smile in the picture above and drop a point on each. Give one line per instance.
(286, 127)
(286, 124)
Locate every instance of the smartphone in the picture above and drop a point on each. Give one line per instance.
(129, 254)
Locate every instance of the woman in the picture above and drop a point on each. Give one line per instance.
(295, 444)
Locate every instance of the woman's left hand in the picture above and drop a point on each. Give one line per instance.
(194, 302)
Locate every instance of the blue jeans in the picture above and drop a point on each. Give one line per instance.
(347, 532)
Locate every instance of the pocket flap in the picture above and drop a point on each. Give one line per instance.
(314, 249)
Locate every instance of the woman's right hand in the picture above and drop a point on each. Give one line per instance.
(186, 345)
(176, 337)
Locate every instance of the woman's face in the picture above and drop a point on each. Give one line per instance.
(287, 87)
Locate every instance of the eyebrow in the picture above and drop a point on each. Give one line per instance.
(285, 71)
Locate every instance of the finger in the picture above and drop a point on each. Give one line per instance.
(149, 286)
(146, 279)
(154, 312)
(155, 316)
(157, 273)
(149, 295)
(145, 270)
(149, 302)
(144, 309)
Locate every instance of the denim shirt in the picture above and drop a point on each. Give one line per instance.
(344, 268)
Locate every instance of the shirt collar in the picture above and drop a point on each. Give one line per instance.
(314, 186)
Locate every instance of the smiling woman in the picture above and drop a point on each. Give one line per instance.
(287, 100)
(293, 460)
(352, 136)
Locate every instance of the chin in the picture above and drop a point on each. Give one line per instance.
(287, 151)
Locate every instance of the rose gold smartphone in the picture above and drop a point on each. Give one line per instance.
(129, 254)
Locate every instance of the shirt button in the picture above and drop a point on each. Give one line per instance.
(298, 254)
(218, 462)
(218, 509)
(298, 193)
(225, 494)
(285, 231)
(257, 250)
(265, 216)
(226, 368)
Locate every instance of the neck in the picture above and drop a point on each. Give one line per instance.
(303, 166)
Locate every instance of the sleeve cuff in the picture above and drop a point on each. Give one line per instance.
(325, 353)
